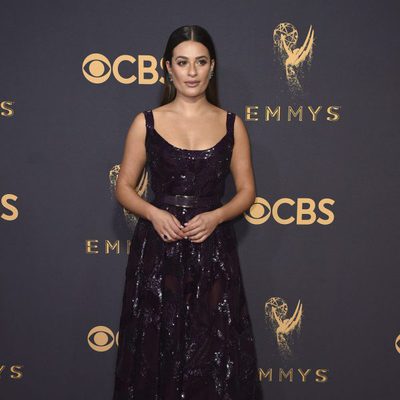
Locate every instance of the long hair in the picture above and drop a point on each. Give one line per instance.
(179, 35)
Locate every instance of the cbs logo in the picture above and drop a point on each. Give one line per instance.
(97, 68)
(302, 211)
(101, 338)
(5, 203)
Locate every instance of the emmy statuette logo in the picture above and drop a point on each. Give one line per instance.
(141, 189)
(276, 315)
(292, 58)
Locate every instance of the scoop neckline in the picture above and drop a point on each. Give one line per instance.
(188, 150)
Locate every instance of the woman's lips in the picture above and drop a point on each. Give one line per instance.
(192, 84)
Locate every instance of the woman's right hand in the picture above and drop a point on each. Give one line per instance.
(167, 224)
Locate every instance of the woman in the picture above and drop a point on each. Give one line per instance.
(185, 331)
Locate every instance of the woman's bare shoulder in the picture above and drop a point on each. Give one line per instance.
(240, 130)
(137, 129)
(221, 113)
(162, 109)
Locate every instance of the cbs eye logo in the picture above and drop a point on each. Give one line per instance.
(101, 338)
(97, 69)
(303, 211)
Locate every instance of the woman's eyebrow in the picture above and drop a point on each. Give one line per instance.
(188, 57)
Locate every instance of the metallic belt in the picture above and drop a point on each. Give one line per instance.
(182, 200)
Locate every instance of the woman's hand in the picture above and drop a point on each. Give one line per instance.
(200, 227)
(167, 224)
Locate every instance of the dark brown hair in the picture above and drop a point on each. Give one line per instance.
(179, 35)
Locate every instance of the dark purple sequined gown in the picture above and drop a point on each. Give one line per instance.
(185, 331)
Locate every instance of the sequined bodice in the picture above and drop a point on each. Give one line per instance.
(175, 170)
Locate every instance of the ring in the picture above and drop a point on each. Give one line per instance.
(165, 236)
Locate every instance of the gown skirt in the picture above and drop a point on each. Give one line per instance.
(185, 330)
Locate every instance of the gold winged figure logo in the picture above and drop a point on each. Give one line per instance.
(276, 310)
(292, 58)
(141, 189)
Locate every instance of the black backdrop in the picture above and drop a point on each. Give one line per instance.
(322, 235)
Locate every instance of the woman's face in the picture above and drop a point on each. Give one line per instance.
(190, 63)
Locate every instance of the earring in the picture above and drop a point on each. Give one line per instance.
(210, 75)
(170, 77)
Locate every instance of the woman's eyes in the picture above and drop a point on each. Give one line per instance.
(202, 62)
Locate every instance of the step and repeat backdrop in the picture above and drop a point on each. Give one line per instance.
(316, 84)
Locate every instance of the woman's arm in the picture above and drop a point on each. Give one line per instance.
(243, 176)
(131, 168)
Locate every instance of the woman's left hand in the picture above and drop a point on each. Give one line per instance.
(200, 227)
